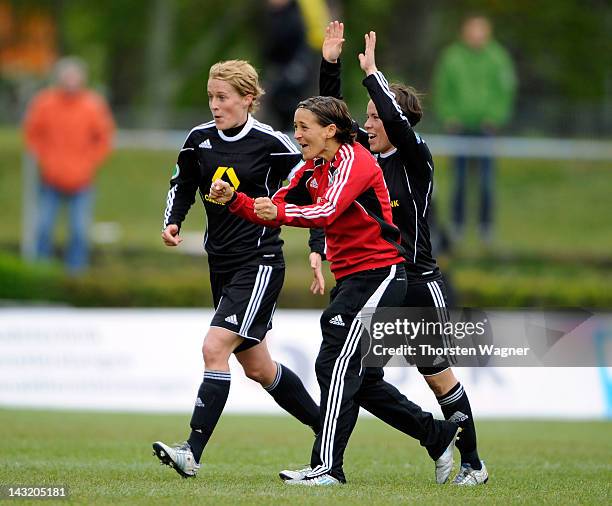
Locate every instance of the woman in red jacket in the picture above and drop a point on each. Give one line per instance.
(341, 189)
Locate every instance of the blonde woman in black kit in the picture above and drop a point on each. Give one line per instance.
(246, 262)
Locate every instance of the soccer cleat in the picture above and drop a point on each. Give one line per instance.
(324, 480)
(468, 477)
(444, 463)
(299, 474)
(180, 458)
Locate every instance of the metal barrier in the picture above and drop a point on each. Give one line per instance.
(440, 145)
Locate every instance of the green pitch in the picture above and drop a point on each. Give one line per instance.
(106, 459)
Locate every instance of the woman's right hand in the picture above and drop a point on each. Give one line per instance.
(332, 45)
(317, 287)
(221, 191)
(170, 235)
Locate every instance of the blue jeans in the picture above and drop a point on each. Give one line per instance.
(79, 217)
(486, 170)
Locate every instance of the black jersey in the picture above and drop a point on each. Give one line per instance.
(408, 169)
(255, 161)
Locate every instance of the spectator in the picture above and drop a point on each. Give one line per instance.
(68, 129)
(289, 61)
(474, 88)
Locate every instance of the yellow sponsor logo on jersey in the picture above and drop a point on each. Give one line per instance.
(230, 173)
(395, 203)
(208, 199)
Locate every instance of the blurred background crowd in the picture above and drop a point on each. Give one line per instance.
(518, 115)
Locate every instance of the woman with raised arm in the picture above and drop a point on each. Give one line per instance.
(408, 169)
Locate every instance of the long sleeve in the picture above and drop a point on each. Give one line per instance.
(35, 127)
(445, 93)
(330, 84)
(349, 182)
(102, 130)
(397, 126)
(316, 241)
(295, 191)
(183, 186)
(503, 84)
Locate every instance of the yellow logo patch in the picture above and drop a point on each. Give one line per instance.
(231, 175)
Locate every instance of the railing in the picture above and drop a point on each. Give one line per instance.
(440, 145)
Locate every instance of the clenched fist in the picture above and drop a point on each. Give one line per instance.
(221, 191)
(265, 209)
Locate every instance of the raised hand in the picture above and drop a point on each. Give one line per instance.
(367, 59)
(332, 45)
(221, 191)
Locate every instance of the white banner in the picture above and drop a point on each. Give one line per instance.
(151, 360)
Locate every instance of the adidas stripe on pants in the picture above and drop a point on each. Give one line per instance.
(338, 365)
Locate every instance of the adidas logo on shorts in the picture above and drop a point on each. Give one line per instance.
(337, 320)
(199, 403)
(233, 319)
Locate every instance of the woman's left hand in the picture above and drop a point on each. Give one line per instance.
(367, 60)
(265, 209)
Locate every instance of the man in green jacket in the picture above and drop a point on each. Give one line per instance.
(474, 88)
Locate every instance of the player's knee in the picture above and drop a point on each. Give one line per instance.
(439, 384)
(255, 373)
(325, 319)
(437, 388)
(213, 353)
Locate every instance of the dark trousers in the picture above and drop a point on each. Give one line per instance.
(338, 365)
(386, 402)
(486, 175)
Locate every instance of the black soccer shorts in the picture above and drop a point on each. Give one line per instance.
(431, 293)
(245, 300)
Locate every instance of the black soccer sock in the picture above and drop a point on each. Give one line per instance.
(209, 405)
(290, 394)
(456, 408)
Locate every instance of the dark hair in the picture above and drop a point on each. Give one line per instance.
(409, 100)
(331, 111)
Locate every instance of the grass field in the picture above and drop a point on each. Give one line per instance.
(105, 458)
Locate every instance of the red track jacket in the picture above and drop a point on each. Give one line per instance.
(348, 198)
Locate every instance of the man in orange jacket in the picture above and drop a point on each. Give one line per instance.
(69, 130)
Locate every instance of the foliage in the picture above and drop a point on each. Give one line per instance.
(155, 55)
(146, 279)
